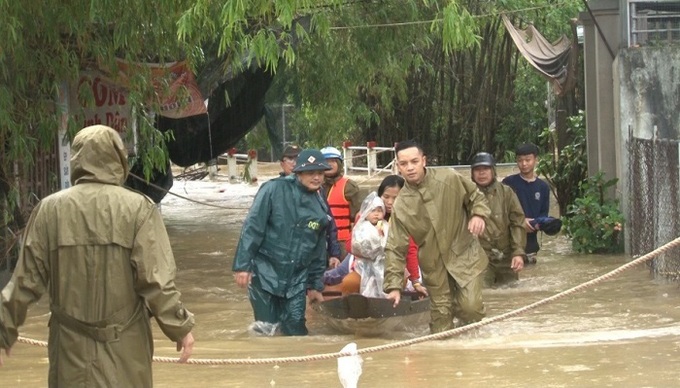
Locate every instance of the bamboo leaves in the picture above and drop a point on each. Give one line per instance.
(458, 28)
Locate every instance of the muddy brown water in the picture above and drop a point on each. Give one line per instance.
(624, 332)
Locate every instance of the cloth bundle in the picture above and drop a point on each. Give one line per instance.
(550, 225)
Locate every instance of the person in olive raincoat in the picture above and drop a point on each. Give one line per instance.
(281, 253)
(102, 253)
(444, 213)
(504, 237)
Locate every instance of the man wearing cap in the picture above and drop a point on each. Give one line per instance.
(504, 237)
(344, 196)
(288, 160)
(533, 194)
(281, 253)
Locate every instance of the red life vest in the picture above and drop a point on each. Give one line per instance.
(340, 208)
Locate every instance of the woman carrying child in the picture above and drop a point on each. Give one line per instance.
(348, 280)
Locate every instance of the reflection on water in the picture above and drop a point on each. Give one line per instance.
(622, 332)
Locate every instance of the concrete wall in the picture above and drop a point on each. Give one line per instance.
(599, 80)
(630, 92)
(648, 97)
(649, 92)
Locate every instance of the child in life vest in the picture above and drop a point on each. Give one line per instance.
(368, 246)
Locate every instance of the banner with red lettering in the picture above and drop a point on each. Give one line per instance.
(108, 104)
(175, 84)
(96, 98)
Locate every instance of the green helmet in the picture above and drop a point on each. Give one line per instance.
(311, 160)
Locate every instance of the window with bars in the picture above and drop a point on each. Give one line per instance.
(653, 23)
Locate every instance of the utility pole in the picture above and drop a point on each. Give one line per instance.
(283, 122)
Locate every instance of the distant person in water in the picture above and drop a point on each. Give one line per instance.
(281, 255)
(533, 194)
(288, 159)
(504, 237)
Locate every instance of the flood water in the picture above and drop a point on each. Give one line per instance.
(624, 332)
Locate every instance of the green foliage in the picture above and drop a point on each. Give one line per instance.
(44, 46)
(360, 66)
(594, 222)
(566, 168)
(356, 75)
(458, 28)
(529, 112)
(441, 72)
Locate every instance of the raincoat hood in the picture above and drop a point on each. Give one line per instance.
(98, 155)
(368, 240)
(370, 203)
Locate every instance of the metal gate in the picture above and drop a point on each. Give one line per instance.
(35, 182)
(41, 179)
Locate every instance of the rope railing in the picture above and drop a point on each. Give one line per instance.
(371, 156)
(377, 152)
(399, 344)
(387, 168)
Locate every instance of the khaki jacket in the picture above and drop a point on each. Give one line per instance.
(102, 254)
(505, 228)
(436, 213)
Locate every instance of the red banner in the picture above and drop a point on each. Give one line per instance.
(174, 83)
(181, 97)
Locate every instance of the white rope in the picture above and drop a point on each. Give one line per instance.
(387, 168)
(399, 344)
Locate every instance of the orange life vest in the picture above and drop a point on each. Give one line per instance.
(340, 208)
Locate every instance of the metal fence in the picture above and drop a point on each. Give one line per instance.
(40, 179)
(36, 181)
(653, 23)
(654, 218)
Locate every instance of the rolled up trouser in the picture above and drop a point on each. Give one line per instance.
(288, 312)
(532, 243)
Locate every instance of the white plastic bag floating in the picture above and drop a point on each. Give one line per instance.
(349, 367)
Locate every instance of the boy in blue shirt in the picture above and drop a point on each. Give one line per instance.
(533, 194)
